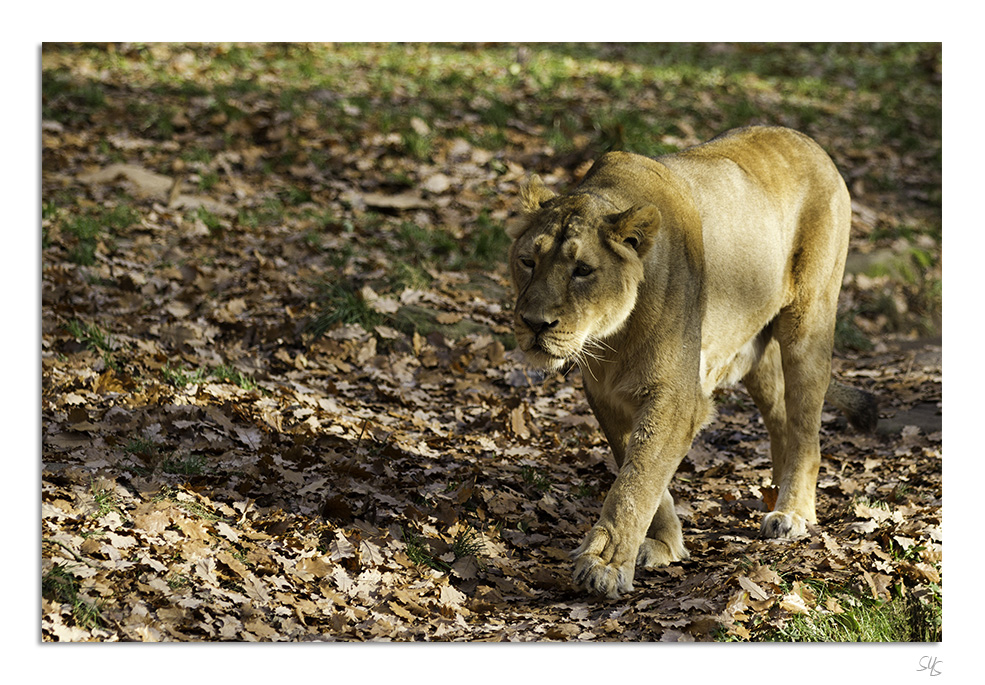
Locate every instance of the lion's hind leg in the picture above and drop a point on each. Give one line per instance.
(805, 341)
(765, 385)
(800, 357)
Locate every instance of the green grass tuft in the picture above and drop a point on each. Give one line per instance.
(900, 620)
(848, 336)
(228, 374)
(190, 465)
(340, 303)
(180, 377)
(906, 618)
(95, 339)
(467, 542)
(420, 553)
(536, 477)
(59, 585)
(87, 230)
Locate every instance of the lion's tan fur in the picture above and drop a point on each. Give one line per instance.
(667, 278)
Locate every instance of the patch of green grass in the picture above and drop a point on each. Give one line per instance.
(910, 616)
(561, 131)
(923, 290)
(340, 303)
(586, 490)
(120, 216)
(490, 139)
(141, 447)
(49, 214)
(170, 494)
(313, 238)
(909, 231)
(228, 374)
(152, 119)
(425, 244)
(207, 181)
(467, 542)
(536, 477)
(142, 454)
(196, 155)
(181, 377)
(199, 510)
(418, 249)
(49, 210)
(404, 275)
(871, 503)
(497, 114)
(295, 195)
(848, 336)
(59, 585)
(189, 465)
(211, 221)
(150, 454)
(743, 110)
(905, 619)
(420, 553)
(269, 213)
(91, 335)
(928, 301)
(631, 130)
(95, 339)
(177, 581)
(68, 100)
(86, 230)
(489, 243)
(914, 297)
(417, 145)
(103, 499)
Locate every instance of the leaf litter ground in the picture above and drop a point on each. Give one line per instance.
(226, 459)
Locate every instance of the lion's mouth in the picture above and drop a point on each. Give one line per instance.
(540, 355)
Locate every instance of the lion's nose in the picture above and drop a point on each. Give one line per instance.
(538, 326)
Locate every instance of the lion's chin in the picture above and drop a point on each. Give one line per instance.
(539, 358)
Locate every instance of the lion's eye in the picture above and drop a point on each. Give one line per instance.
(583, 270)
(527, 262)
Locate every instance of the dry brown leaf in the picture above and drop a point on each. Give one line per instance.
(145, 183)
(755, 592)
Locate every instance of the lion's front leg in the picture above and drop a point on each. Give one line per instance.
(605, 562)
(664, 542)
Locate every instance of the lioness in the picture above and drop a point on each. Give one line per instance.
(667, 278)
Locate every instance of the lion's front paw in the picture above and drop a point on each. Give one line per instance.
(780, 524)
(654, 553)
(603, 564)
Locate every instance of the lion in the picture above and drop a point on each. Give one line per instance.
(666, 278)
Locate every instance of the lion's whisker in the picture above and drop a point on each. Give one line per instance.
(597, 353)
(583, 362)
(598, 342)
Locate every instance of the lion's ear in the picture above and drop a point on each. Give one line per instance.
(533, 194)
(636, 227)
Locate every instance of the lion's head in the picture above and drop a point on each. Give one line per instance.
(576, 263)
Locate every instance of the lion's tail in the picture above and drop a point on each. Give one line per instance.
(859, 406)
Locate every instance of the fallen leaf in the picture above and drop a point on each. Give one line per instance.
(752, 588)
(794, 604)
(145, 183)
